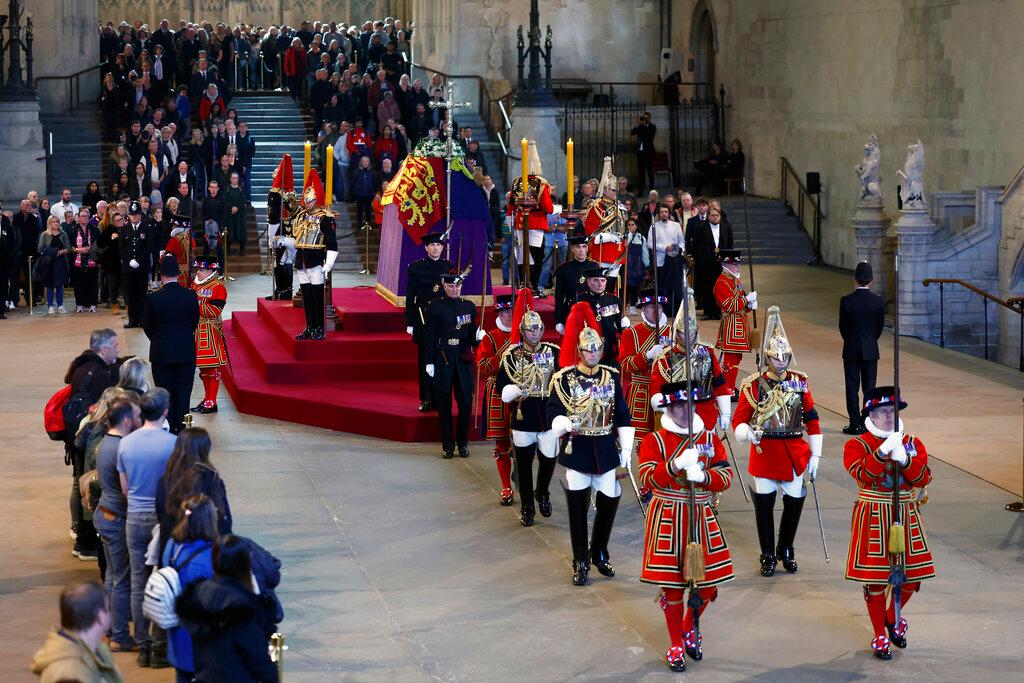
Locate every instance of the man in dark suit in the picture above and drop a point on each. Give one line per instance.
(170, 320)
(861, 318)
(644, 132)
(135, 247)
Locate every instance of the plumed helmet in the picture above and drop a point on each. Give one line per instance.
(581, 334)
(680, 324)
(533, 166)
(608, 179)
(313, 192)
(776, 343)
(284, 177)
(525, 318)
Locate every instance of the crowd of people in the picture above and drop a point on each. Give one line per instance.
(145, 498)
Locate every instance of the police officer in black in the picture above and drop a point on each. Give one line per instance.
(135, 245)
(449, 338)
(424, 285)
(170, 319)
(569, 278)
(861, 320)
(608, 310)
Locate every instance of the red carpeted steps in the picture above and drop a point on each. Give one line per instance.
(361, 379)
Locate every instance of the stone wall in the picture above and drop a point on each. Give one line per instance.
(809, 79)
(260, 12)
(66, 41)
(1010, 258)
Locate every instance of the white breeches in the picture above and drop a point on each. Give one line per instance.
(605, 483)
(288, 255)
(523, 439)
(793, 489)
(311, 276)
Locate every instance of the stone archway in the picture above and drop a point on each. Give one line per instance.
(704, 46)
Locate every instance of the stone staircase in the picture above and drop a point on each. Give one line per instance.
(775, 235)
(78, 156)
(489, 145)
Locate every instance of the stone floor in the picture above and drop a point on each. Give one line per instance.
(399, 566)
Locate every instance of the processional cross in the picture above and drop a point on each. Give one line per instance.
(449, 153)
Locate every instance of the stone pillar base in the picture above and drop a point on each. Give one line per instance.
(914, 231)
(870, 227)
(21, 146)
(540, 124)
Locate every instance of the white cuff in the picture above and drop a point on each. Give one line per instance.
(332, 256)
(627, 437)
(724, 407)
(814, 440)
(625, 323)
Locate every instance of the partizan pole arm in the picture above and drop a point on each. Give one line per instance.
(750, 268)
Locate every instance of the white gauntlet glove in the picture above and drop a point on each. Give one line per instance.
(814, 441)
(899, 455)
(561, 425)
(625, 323)
(752, 298)
(744, 434)
(430, 369)
(892, 441)
(133, 263)
(480, 334)
(408, 330)
(654, 351)
(510, 393)
(696, 474)
(627, 435)
(560, 328)
(685, 460)
(724, 411)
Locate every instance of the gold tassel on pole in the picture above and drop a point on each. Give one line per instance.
(897, 539)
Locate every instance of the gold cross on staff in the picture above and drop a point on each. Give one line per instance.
(450, 104)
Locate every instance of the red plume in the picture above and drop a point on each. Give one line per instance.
(580, 315)
(284, 178)
(524, 303)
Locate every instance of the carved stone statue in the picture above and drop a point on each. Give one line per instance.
(912, 177)
(495, 19)
(868, 172)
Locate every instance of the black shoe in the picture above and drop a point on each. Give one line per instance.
(580, 572)
(544, 504)
(130, 326)
(600, 560)
(735, 395)
(426, 406)
(526, 515)
(144, 660)
(694, 646)
(463, 450)
(880, 648)
(675, 659)
(158, 659)
(506, 499)
(853, 430)
(197, 407)
(788, 558)
(304, 335)
(317, 334)
(898, 635)
(768, 563)
(448, 454)
(205, 409)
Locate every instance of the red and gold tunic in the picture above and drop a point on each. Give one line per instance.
(778, 457)
(183, 247)
(635, 371)
(488, 359)
(667, 529)
(537, 217)
(600, 212)
(661, 373)
(734, 330)
(211, 350)
(868, 558)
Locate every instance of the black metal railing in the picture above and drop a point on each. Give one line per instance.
(72, 84)
(600, 131)
(1015, 304)
(806, 208)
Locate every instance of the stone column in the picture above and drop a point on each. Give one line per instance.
(540, 124)
(914, 232)
(870, 227)
(21, 148)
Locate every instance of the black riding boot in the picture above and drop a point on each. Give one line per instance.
(545, 470)
(764, 515)
(577, 502)
(317, 311)
(791, 509)
(603, 521)
(524, 477)
(306, 303)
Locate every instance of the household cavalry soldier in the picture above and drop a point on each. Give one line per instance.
(870, 459)
(530, 223)
(605, 221)
(211, 349)
(316, 248)
(449, 338)
(586, 405)
(734, 331)
(281, 203)
(524, 380)
(183, 246)
(711, 395)
(424, 285)
(671, 461)
(607, 310)
(775, 409)
(640, 345)
(570, 278)
(497, 416)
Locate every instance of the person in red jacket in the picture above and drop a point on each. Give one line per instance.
(496, 418)
(871, 459)
(774, 411)
(183, 246)
(671, 461)
(211, 98)
(639, 346)
(211, 349)
(605, 217)
(359, 143)
(533, 219)
(295, 67)
(734, 329)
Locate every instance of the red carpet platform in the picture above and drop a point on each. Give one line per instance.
(361, 379)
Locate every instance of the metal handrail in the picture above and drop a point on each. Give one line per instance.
(1015, 304)
(73, 83)
(804, 197)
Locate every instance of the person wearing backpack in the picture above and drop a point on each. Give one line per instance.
(188, 553)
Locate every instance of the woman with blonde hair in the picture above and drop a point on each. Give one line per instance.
(133, 377)
(52, 269)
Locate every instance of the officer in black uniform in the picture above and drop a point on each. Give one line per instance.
(449, 337)
(569, 279)
(135, 247)
(608, 310)
(279, 222)
(424, 285)
(170, 319)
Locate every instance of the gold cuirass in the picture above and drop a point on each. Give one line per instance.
(702, 372)
(780, 410)
(306, 231)
(589, 400)
(531, 370)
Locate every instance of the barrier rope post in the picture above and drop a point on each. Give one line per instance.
(31, 294)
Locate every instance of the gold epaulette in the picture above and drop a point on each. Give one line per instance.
(798, 374)
(561, 372)
(609, 368)
(746, 387)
